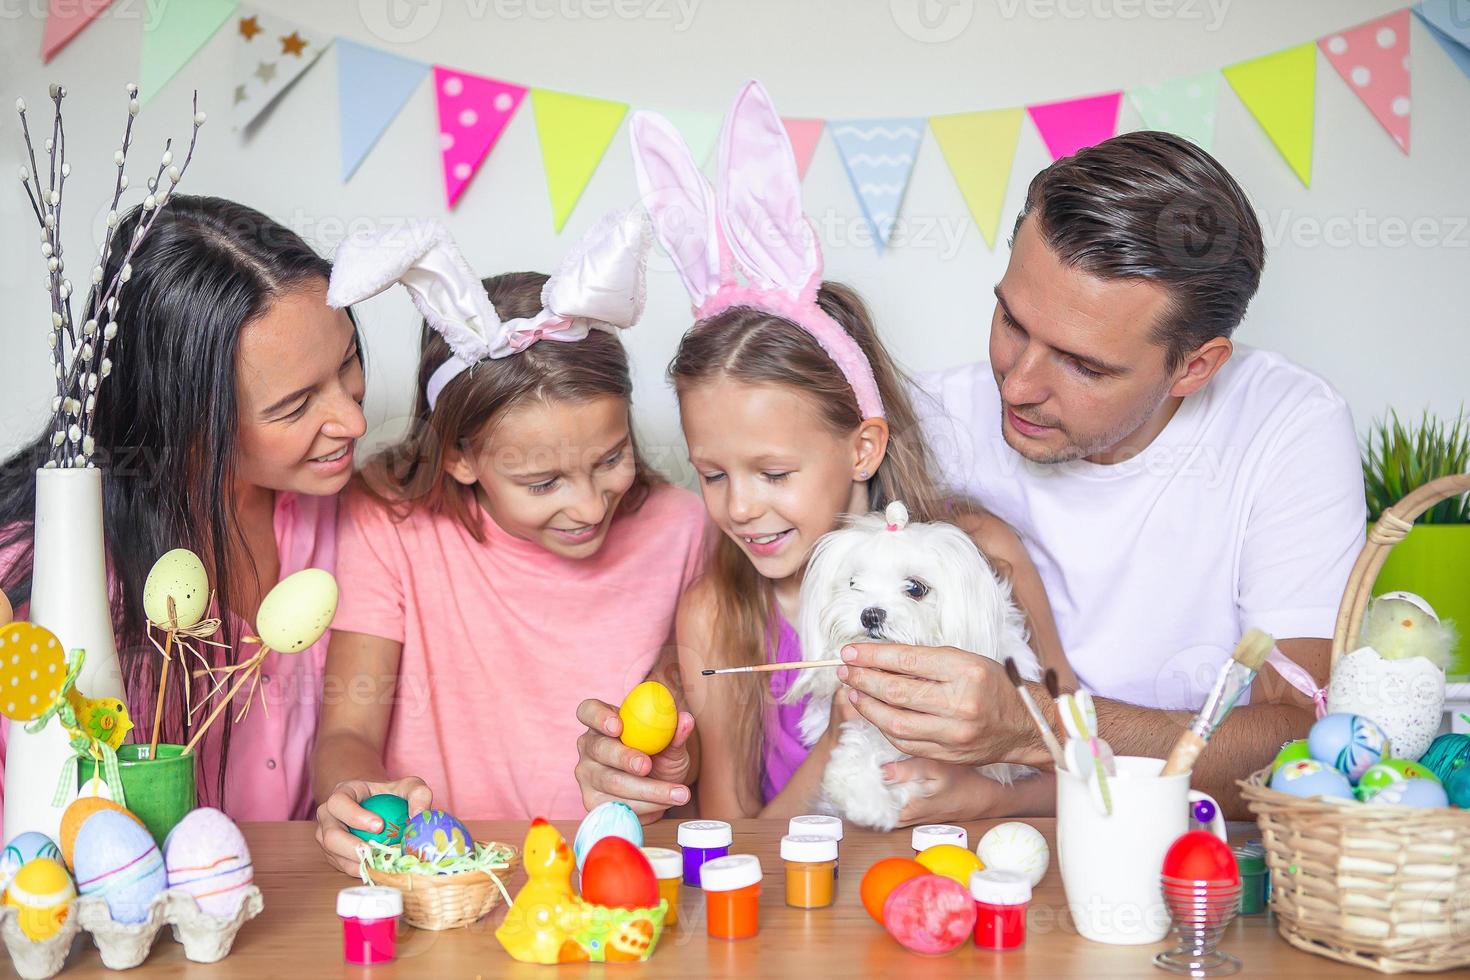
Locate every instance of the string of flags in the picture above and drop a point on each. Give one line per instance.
(574, 131)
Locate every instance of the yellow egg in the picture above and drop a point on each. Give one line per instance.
(649, 718)
(43, 891)
(180, 574)
(296, 613)
(951, 861)
(32, 667)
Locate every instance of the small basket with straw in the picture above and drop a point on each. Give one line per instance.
(1371, 884)
(446, 894)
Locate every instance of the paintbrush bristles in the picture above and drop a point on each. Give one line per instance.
(1253, 648)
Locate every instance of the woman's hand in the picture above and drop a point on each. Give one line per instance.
(343, 809)
(609, 770)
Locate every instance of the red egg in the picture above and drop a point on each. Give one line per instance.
(931, 914)
(617, 875)
(1201, 856)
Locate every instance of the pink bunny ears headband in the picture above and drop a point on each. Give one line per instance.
(598, 286)
(756, 226)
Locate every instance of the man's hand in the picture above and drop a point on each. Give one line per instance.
(941, 703)
(609, 770)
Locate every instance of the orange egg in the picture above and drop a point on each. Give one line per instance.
(882, 878)
(77, 813)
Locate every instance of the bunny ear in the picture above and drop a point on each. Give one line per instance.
(424, 258)
(602, 277)
(760, 197)
(680, 201)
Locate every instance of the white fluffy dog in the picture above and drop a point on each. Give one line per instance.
(882, 579)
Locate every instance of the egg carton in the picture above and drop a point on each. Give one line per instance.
(205, 938)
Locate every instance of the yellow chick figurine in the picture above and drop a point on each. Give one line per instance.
(105, 719)
(546, 912)
(1400, 625)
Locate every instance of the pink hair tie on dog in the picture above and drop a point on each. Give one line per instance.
(756, 226)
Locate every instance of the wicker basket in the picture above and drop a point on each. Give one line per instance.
(1375, 885)
(447, 901)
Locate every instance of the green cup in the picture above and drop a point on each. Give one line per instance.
(159, 791)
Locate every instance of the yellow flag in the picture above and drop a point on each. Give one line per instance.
(979, 148)
(574, 131)
(1280, 91)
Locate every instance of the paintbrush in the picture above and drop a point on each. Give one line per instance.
(767, 668)
(1013, 674)
(1235, 677)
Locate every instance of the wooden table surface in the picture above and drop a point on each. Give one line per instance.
(299, 934)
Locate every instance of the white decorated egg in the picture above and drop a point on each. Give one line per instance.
(180, 575)
(1015, 846)
(1405, 697)
(115, 857)
(296, 613)
(206, 856)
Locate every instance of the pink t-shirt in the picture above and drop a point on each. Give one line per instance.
(268, 775)
(502, 640)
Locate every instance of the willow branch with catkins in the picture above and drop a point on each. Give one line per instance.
(79, 357)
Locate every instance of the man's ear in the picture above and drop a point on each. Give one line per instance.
(1200, 366)
(457, 464)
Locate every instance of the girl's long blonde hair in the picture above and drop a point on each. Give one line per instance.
(756, 347)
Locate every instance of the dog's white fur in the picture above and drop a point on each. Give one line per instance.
(872, 566)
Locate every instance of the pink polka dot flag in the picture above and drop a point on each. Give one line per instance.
(1373, 58)
(473, 112)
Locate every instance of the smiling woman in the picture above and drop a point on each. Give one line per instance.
(227, 428)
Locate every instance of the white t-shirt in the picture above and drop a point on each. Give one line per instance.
(1247, 510)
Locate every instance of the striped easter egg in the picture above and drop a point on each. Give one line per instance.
(207, 857)
(115, 857)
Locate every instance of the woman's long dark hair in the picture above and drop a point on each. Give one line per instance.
(166, 423)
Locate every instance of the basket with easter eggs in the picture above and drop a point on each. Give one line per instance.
(447, 879)
(108, 877)
(619, 915)
(1369, 861)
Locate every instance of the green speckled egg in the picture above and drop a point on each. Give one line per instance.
(1291, 752)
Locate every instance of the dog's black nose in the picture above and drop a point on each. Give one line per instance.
(872, 617)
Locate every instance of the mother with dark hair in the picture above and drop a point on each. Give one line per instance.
(227, 427)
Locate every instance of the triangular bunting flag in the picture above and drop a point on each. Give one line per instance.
(979, 148)
(878, 155)
(1071, 124)
(700, 131)
(1280, 91)
(175, 33)
(65, 20)
(804, 135)
(1182, 106)
(1449, 22)
(473, 112)
(372, 86)
(270, 53)
(574, 131)
(1373, 58)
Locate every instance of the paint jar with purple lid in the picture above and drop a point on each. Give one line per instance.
(701, 841)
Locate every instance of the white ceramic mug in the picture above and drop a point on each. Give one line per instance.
(1111, 863)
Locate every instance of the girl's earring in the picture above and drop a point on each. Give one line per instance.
(863, 475)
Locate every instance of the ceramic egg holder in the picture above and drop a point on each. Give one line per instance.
(206, 938)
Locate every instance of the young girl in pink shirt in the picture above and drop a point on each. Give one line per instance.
(513, 556)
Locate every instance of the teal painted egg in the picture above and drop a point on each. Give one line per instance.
(1458, 787)
(435, 837)
(22, 848)
(1291, 752)
(115, 857)
(392, 810)
(1308, 777)
(611, 819)
(1414, 792)
(1348, 743)
(206, 855)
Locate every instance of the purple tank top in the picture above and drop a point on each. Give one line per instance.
(783, 752)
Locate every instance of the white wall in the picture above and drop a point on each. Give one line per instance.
(1384, 318)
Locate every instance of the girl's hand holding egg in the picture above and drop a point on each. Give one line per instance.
(608, 769)
(339, 819)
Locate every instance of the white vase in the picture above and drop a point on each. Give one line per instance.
(69, 597)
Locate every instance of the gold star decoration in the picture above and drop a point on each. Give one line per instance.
(240, 94)
(249, 27)
(293, 43)
(266, 71)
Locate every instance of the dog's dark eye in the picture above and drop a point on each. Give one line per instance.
(916, 589)
(852, 583)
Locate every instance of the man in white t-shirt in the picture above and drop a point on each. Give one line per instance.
(1173, 489)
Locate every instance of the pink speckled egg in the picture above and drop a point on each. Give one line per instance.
(930, 914)
(206, 856)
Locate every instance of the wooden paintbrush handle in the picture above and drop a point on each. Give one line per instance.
(1185, 754)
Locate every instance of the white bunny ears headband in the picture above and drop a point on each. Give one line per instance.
(756, 225)
(598, 286)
